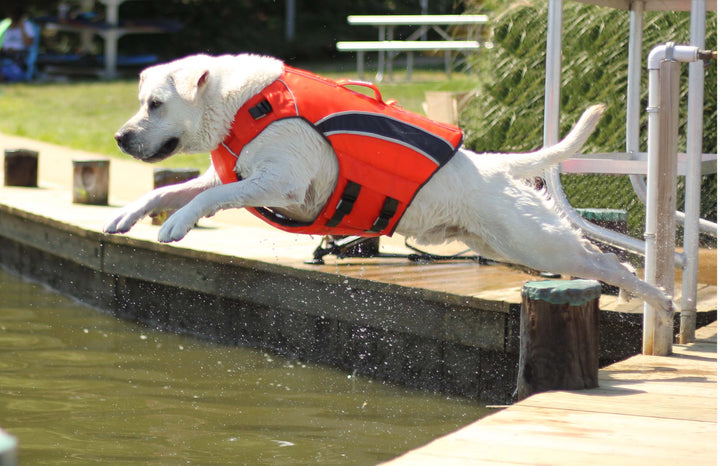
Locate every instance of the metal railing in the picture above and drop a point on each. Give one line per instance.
(688, 259)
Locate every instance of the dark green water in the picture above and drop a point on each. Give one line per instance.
(78, 386)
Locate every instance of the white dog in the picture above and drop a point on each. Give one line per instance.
(482, 200)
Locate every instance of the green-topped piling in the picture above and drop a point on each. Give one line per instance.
(559, 336)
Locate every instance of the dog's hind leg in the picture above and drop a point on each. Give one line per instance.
(606, 267)
(566, 252)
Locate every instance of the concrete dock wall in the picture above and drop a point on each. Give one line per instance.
(412, 336)
(419, 338)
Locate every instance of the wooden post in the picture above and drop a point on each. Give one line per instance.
(90, 181)
(559, 336)
(21, 168)
(168, 176)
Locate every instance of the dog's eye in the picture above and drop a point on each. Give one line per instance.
(154, 104)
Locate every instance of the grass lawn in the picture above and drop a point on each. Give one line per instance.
(85, 115)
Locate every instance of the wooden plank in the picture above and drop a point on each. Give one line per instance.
(559, 437)
(664, 368)
(706, 334)
(695, 388)
(630, 400)
(464, 278)
(647, 410)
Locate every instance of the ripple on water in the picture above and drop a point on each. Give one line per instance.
(79, 386)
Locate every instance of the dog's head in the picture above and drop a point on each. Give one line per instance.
(188, 105)
(170, 112)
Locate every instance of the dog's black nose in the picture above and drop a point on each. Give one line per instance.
(123, 139)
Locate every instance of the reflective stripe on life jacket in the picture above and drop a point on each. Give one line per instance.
(385, 153)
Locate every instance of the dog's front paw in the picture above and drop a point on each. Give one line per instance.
(128, 216)
(111, 226)
(666, 304)
(122, 223)
(176, 227)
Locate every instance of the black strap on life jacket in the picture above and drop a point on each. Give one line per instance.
(389, 208)
(261, 109)
(346, 203)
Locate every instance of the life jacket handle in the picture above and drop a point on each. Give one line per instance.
(369, 85)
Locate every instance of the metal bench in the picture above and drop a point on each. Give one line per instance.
(386, 43)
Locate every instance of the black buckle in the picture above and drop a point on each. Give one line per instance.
(260, 110)
(345, 205)
(389, 209)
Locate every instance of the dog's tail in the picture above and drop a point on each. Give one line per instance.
(530, 164)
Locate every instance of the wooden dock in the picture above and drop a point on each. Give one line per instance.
(450, 327)
(647, 410)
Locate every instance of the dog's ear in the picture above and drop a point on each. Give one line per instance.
(191, 83)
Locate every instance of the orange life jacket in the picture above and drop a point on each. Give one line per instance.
(385, 153)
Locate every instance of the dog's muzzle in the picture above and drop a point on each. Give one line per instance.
(127, 142)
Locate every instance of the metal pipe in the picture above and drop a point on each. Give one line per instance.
(656, 339)
(553, 71)
(693, 177)
(681, 53)
(662, 189)
(650, 324)
(632, 122)
(671, 51)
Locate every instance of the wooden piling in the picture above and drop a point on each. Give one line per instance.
(559, 336)
(91, 179)
(168, 176)
(21, 168)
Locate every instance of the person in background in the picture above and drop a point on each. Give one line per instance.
(15, 45)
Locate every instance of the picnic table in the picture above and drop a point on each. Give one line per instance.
(110, 31)
(386, 45)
